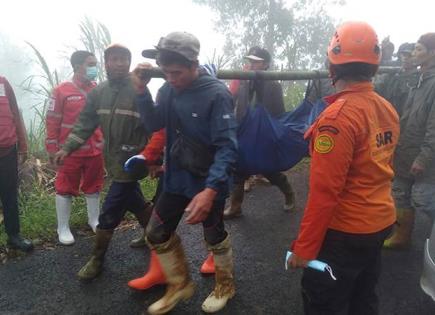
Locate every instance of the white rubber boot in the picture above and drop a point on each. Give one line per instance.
(63, 211)
(93, 206)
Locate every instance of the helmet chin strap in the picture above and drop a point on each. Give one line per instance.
(334, 77)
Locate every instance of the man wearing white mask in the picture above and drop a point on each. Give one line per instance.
(84, 169)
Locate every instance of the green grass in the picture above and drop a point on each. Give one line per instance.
(38, 212)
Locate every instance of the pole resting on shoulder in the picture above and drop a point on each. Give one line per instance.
(269, 75)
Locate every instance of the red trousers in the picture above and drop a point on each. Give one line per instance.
(80, 173)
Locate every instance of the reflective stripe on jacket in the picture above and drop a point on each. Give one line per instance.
(63, 110)
(112, 107)
(352, 145)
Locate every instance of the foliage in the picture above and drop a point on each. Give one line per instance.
(294, 94)
(39, 85)
(220, 61)
(296, 35)
(95, 36)
(38, 212)
(38, 215)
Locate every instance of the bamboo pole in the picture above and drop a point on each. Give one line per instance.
(268, 75)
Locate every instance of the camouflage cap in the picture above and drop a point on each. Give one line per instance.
(181, 43)
(405, 48)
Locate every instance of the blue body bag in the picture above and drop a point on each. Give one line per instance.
(269, 145)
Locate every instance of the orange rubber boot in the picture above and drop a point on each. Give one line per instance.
(153, 277)
(208, 265)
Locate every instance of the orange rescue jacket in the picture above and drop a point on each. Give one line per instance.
(351, 146)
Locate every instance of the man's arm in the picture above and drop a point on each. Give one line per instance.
(18, 120)
(427, 150)
(154, 149)
(53, 122)
(224, 139)
(152, 114)
(331, 157)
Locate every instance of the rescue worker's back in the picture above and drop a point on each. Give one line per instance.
(352, 145)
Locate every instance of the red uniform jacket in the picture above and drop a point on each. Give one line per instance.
(154, 149)
(64, 108)
(12, 130)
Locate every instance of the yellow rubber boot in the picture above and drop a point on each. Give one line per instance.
(180, 287)
(401, 238)
(224, 286)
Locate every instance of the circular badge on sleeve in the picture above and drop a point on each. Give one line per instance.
(323, 144)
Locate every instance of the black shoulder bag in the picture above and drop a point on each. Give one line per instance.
(191, 155)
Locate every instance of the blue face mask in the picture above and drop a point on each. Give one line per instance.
(91, 73)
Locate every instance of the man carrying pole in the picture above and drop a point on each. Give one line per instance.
(201, 150)
(350, 210)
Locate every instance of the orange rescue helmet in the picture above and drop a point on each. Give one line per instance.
(354, 42)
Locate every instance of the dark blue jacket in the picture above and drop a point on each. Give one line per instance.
(205, 113)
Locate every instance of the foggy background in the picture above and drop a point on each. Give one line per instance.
(53, 28)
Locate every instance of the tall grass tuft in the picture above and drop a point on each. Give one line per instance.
(95, 36)
(41, 86)
(37, 200)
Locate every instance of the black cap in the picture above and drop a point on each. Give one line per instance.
(257, 53)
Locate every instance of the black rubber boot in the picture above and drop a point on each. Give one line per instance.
(17, 242)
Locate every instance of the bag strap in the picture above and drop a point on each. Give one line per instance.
(309, 88)
(312, 85)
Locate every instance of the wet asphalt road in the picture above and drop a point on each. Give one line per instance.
(45, 281)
